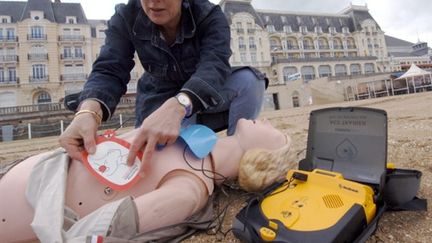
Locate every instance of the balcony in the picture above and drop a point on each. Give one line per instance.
(37, 57)
(240, 31)
(36, 37)
(308, 47)
(275, 48)
(70, 57)
(292, 47)
(73, 77)
(8, 39)
(242, 46)
(8, 58)
(75, 38)
(9, 81)
(324, 47)
(352, 47)
(252, 47)
(38, 79)
(251, 31)
(338, 47)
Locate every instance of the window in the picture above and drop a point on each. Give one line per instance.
(4, 20)
(78, 52)
(318, 29)
(308, 73)
(10, 33)
(43, 97)
(303, 29)
(239, 25)
(1, 33)
(12, 74)
(253, 57)
(67, 52)
(288, 73)
(243, 57)
(252, 44)
(332, 30)
(369, 68)
(340, 70)
(71, 20)
(38, 71)
(241, 43)
(355, 69)
(37, 32)
(324, 71)
(270, 28)
(101, 34)
(287, 29)
(2, 75)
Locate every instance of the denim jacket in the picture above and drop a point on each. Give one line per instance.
(197, 62)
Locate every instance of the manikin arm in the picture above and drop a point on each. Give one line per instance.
(179, 195)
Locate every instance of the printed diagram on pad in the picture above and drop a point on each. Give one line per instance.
(109, 164)
(112, 163)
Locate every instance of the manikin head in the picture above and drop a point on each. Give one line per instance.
(266, 158)
(259, 134)
(165, 13)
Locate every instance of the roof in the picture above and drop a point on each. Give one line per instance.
(414, 71)
(232, 7)
(54, 12)
(61, 10)
(393, 41)
(13, 9)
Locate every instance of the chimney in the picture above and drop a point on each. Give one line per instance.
(57, 1)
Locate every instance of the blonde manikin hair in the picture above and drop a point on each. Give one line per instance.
(259, 168)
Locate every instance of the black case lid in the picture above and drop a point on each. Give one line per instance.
(349, 140)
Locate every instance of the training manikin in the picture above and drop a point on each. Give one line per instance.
(169, 191)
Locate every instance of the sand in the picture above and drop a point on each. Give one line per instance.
(409, 146)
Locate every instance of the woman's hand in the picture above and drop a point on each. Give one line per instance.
(82, 131)
(162, 127)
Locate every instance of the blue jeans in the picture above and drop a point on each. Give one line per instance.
(244, 93)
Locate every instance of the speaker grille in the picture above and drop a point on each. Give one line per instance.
(333, 201)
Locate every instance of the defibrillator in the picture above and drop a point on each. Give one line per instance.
(336, 195)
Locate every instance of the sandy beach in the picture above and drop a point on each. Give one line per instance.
(409, 146)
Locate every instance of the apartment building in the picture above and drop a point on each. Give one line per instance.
(46, 51)
(47, 48)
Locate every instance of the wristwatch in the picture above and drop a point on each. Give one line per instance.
(184, 100)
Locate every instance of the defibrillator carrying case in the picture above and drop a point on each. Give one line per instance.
(337, 193)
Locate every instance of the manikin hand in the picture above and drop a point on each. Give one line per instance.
(161, 127)
(82, 131)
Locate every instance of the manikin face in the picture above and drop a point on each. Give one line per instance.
(259, 134)
(166, 13)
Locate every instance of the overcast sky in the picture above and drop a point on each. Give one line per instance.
(405, 19)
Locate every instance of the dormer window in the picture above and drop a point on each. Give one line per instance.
(270, 28)
(284, 19)
(345, 30)
(303, 29)
(287, 29)
(299, 21)
(332, 30)
(267, 18)
(71, 20)
(318, 29)
(5, 19)
(36, 15)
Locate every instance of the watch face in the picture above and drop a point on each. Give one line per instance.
(183, 99)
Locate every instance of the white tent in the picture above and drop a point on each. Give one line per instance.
(420, 79)
(414, 71)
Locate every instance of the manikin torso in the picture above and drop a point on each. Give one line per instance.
(165, 161)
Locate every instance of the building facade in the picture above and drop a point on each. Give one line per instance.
(47, 49)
